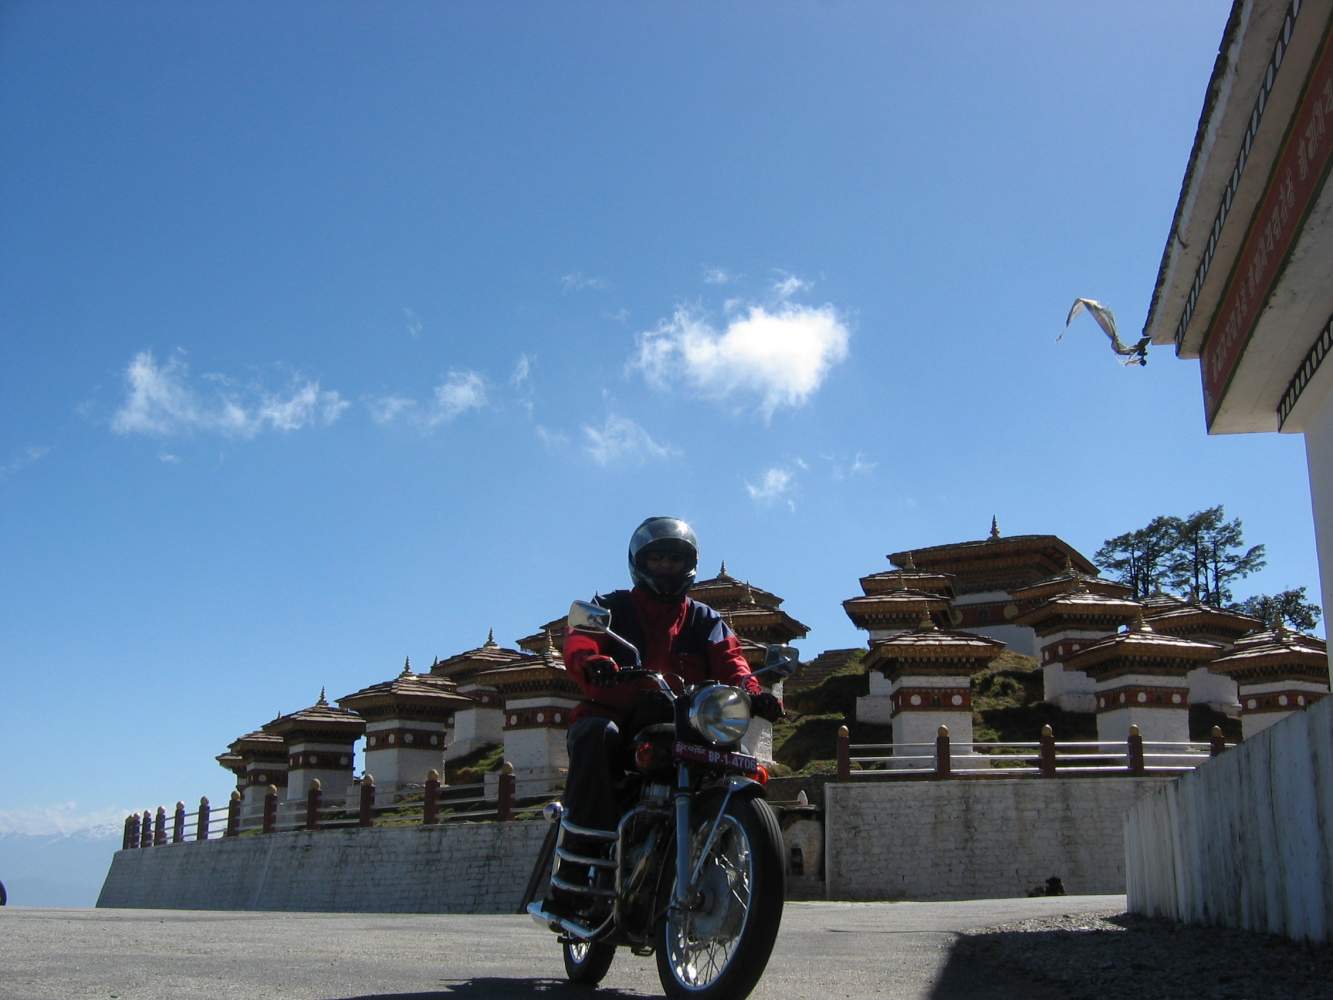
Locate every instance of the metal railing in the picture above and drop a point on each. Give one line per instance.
(439, 803)
(1045, 758)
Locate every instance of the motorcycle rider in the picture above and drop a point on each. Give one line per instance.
(684, 640)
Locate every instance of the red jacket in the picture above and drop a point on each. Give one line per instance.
(715, 654)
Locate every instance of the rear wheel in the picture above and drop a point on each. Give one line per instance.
(717, 949)
(586, 962)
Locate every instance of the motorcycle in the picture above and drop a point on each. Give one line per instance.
(693, 872)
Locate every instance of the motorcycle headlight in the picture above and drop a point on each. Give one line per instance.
(720, 714)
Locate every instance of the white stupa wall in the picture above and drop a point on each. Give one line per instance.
(409, 757)
(921, 726)
(1069, 690)
(331, 763)
(1217, 691)
(475, 728)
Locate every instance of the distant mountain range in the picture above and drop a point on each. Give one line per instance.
(61, 870)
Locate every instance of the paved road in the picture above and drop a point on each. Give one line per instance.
(826, 951)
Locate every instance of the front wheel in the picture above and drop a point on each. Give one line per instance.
(586, 962)
(718, 948)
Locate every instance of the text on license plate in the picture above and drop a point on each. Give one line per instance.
(742, 762)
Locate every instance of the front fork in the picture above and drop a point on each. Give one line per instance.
(687, 878)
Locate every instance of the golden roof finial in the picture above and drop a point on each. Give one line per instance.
(749, 594)
(927, 623)
(550, 644)
(994, 528)
(1140, 625)
(490, 642)
(902, 581)
(322, 700)
(909, 562)
(723, 570)
(1069, 564)
(407, 666)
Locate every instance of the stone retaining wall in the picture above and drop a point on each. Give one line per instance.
(450, 868)
(992, 838)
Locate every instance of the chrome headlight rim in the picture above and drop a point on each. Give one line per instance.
(720, 714)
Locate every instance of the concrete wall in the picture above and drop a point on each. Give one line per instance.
(451, 868)
(991, 838)
(1247, 840)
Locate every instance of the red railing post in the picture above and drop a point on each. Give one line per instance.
(233, 815)
(844, 754)
(1135, 742)
(505, 809)
(146, 830)
(1216, 743)
(160, 827)
(1047, 752)
(312, 799)
(942, 763)
(366, 816)
(270, 809)
(131, 838)
(178, 824)
(201, 824)
(430, 807)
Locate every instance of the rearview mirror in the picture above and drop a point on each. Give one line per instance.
(584, 616)
(781, 661)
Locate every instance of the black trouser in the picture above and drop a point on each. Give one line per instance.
(594, 766)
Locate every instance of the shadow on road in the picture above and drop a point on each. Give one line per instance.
(492, 988)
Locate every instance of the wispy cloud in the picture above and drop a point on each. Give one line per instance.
(786, 285)
(414, 326)
(621, 439)
(167, 458)
(26, 457)
(522, 370)
(388, 409)
(552, 439)
(781, 357)
(859, 465)
(459, 392)
(63, 819)
(775, 485)
(160, 401)
(717, 276)
(577, 281)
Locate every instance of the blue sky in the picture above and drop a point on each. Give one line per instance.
(337, 334)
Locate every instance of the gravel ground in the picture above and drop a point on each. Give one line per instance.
(1117, 956)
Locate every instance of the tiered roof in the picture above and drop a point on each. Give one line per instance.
(259, 743)
(929, 649)
(1202, 621)
(1141, 650)
(407, 696)
(320, 719)
(1276, 654)
(998, 562)
(1067, 580)
(753, 613)
(901, 608)
(1080, 608)
(543, 673)
(461, 667)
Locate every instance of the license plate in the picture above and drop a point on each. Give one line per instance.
(728, 759)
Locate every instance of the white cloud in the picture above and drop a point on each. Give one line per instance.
(781, 357)
(522, 370)
(620, 438)
(26, 457)
(716, 276)
(459, 392)
(64, 819)
(786, 285)
(160, 401)
(167, 458)
(414, 326)
(553, 440)
(576, 281)
(621, 315)
(774, 486)
(858, 466)
(386, 409)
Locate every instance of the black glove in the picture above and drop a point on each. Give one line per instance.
(600, 671)
(766, 705)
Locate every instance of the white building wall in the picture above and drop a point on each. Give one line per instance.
(1243, 841)
(475, 728)
(1070, 690)
(1217, 691)
(1319, 461)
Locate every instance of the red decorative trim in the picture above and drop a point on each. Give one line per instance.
(263, 779)
(541, 717)
(932, 700)
(1296, 180)
(1177, 698)
(405, 739)
(1272, 701)
(1058, 652)
(323, 760)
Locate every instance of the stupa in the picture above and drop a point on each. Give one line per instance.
(1278, 672)
(319, 741)
(481, 723)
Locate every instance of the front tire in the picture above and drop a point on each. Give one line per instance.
(586, 963)
(720, 947)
